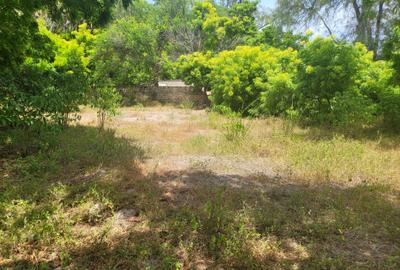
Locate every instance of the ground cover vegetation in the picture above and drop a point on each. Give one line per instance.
(295, 164)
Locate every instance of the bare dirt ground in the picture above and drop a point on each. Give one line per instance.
(186, 140)
(308, 189)
(168, 128)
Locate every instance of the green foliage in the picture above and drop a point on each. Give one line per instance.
(141, 10)
(273, 36)
(327, 83)
(390, 107)
(247, 79)
(391, 51)
(168, 67)
(194, 69)
(20, 30)
(105, 98)
(222, 32)
(341, 84)
(47, 88)
(126, 53)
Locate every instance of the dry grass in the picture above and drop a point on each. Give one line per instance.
(185, 189)
(310, 154)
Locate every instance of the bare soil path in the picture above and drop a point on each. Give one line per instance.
(167, 128)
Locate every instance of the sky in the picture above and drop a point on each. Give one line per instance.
(268, 3)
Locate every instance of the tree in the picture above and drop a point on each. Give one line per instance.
(338, 82)
(391, 51)
(177, 32)
(44, 75)
(127, 54)
(274, 36)
(221, 32)
(49, 85)
(19, 30)
(251, 80)
(368, 19)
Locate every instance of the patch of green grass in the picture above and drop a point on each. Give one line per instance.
(197, 144)
(47, 187)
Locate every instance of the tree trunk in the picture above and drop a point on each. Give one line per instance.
(378, 28)
(361, 30)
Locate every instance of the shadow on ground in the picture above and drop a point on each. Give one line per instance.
(87, 204)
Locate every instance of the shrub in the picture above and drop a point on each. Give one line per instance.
(334, 86)
(247, 78)
(126, 53)
(390, 107)
(105, 97)
(194, 69)
(49, 86)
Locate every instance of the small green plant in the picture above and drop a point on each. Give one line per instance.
(235, 130)
(106, 99)
(291, 120)
(187, 104)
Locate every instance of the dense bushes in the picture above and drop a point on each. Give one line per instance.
(49, 85)
(126, 53)
(391, 51)
(194, 69)
(247, 78)
(325, 82)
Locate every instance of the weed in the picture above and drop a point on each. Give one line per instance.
(235, 130)
(187, 105)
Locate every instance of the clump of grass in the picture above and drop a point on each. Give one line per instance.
(235, 130)
(187, 105)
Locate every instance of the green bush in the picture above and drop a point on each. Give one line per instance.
(105, 97)
(332, 88)
(390, 107)
(194, 69)
(391, 51)
(49, 86)
(247, 79)
(126, 53)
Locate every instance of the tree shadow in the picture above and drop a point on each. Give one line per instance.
(88, 204)
(200, 219)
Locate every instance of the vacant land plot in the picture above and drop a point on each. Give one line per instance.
(189, 189)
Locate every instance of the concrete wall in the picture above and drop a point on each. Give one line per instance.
(166, 95)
